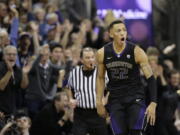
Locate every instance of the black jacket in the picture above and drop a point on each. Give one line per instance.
(46, 122)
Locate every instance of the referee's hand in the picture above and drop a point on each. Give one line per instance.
(101, 110)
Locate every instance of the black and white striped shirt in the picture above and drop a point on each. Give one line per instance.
(84, 87)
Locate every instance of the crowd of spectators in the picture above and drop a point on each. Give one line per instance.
(40, 42)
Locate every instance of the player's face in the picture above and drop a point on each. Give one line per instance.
(88, 60)
(119, 33)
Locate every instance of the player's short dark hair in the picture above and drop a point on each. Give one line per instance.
(86, 49)
(55, 45)
(113, 23)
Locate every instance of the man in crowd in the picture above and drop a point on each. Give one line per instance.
(42, 79)
(12, 79)
(20, 125)
(51, 119)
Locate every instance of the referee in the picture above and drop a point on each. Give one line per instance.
(82, 93)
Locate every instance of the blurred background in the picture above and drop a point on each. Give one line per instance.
(50, 34)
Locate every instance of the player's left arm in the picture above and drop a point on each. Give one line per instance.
(142, 59)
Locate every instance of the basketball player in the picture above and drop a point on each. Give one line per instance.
(126, 105)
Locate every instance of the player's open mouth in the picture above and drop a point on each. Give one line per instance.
(123, 39)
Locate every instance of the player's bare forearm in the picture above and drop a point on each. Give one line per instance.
(100, 83)
(100, 77)
(100, 92)
(100, 89)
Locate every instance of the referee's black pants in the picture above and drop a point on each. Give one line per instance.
(88, 121)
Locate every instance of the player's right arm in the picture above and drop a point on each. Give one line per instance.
(142, 59)
(100, 83)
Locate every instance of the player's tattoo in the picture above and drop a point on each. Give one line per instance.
(146, 70)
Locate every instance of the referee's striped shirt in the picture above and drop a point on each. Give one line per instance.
(84, 87)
